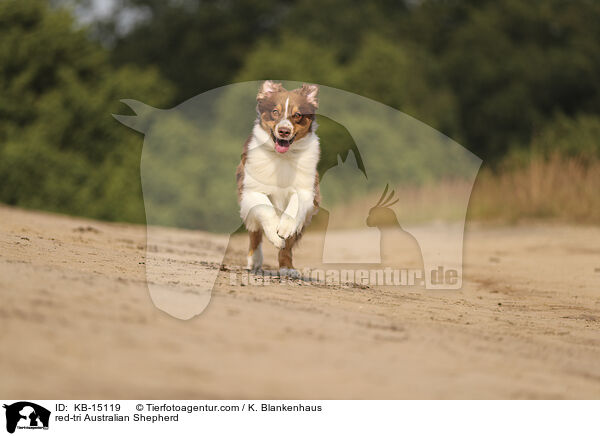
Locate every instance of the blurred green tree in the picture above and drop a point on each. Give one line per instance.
(574, 137)
(512, 65)
(60, 149)
(196, 45)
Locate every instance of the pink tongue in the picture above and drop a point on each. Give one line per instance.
(281, 149)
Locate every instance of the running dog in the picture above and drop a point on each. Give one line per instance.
(278, 183)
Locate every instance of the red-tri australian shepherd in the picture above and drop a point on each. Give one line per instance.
(278, 183)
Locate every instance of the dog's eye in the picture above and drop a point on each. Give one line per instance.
(275, 113)
(297, 115)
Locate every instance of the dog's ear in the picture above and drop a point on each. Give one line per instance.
(267, 88)
(311, 92)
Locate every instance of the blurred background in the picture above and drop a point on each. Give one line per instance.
(514, 82)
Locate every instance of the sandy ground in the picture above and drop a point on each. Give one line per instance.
(76, 321)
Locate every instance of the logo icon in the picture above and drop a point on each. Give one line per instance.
(26, 415)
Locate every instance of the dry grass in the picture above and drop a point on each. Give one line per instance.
(556, 188)
(417, 204)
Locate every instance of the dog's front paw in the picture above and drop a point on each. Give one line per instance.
(270, 229)
(286, 227)
(275, 239)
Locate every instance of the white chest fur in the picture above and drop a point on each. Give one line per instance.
(279, 175)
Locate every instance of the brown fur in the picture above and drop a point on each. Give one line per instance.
(255, 240)
(285, 254)
(239, 172)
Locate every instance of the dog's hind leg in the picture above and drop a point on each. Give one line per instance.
(255, 256)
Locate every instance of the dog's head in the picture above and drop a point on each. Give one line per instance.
(287, 116)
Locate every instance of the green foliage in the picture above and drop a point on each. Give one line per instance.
(197, 45)
(60, 149)
(512, 64)
(578, 137)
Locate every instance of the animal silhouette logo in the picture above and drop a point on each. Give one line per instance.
(26, 415)
(378, 239)
(393, 238)
(188, 166)
(381, 215)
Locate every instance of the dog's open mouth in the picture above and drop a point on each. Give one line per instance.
(282, 145)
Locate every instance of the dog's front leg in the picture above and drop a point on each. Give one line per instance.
(258, 212)
(287, 223)
(293, 218)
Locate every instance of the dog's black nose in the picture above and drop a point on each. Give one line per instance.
(284, 132)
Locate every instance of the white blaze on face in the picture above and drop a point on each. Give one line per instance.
(285, 122)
